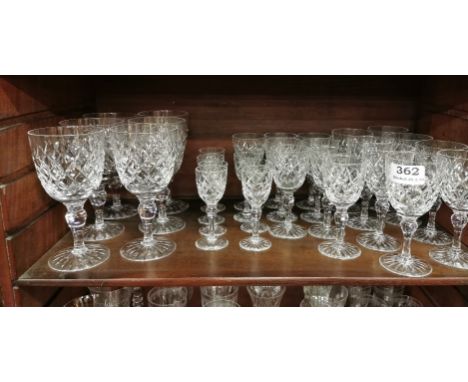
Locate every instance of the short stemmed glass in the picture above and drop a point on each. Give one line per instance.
(173, 206)
(69, 164)
(316, 149)
(412, 186)
(313, 203)
(288, 165)
(375, 179)
(430, 234)
(211, 184)
(212, 153)
(117, 210)
(101, 229)
(452, 166)
(249, 148)
(277, 202)
(343, 180)
(256, 186)
(145, 156)
(211, 158)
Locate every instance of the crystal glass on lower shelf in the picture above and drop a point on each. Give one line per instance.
(256, 186)
(212, 293)
(145, 154)
(266, 296)
(69, 164)
(167, 297)
(325, 295)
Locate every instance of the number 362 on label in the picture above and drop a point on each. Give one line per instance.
(410, 175)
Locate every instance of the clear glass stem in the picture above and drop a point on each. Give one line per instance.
(147, 212)
(364, 210)
(311, 197)
(256, 215)
(327, 212)
(381, 209)
(161, 203)
(76, 220)
(459, 221)
(99, 221)
(341, 218)
(115, 187)
(168, 197)
(408, 225)
(116, 201)
(281, 206)
(317, 204)
(431, 223)
(247, 211)
(211, 213)
(98, 200)
(288, 203)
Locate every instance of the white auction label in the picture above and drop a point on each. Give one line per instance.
(410, 175)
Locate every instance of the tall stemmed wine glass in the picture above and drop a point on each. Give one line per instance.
(69, 164)
(211, 184)
(277, 202)
(101, 229)
(452, 166)
(430, 234)
(256, 186)
(173, 206)
(354, 141)
(317, 149)
(145, 156)
(313, 202)
(289, 166)
(375, 179)
(405, 142)
(412, 186)
(249, 149)
(118, 210)
(343, 180)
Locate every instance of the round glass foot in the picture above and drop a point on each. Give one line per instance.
(105, 232)
(412, 267)
(205, 221)
(219, 208)
(340, 251)
(135, 250)
(290, 231)
(66, 261)
(211, 245)
(247, 227)
(239, 206)
(305, 205)
(319, 231)
(255, 244)
(241, 218)
(276, 217)
(435, 237)
(378, 242)
(272, 204)
(171, 225)
(218, 231)
(176, 207)
(125, 211)
(311, 217)
(355, 223)
(446, 256)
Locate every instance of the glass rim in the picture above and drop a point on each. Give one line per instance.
(157, 120)
(247, 136)
(313, 135)
(434, 142)
(119, 130)
(349, 132)
(451, 153)
(92, 129)
(379, 129)
(279, 134)
(118, 121)
(212, 166)
(282, 290)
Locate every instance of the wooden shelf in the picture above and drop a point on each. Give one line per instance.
(288, 262)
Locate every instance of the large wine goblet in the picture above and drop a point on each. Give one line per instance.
(69, 164)
(145, 157)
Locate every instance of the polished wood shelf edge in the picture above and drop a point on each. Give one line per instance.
(288, 262)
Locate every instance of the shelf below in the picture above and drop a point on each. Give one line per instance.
(288, 262)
